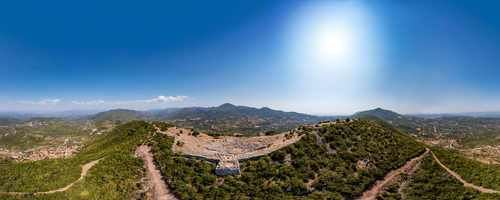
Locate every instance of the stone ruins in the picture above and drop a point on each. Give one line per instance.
(229, 151)
(227, 166)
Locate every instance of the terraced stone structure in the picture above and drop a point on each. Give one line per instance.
(228, 151)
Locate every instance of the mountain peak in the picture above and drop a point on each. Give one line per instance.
(380, 113)
(227, 106)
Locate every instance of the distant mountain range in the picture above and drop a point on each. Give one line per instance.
(228, 118)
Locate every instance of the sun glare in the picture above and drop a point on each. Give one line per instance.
(329, 36)
(333, 46)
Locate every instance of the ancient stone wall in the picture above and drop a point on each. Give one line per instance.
(227, 166)
(229, 151)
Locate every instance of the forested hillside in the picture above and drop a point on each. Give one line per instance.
(116, 176)
(431, 181)
(401, 122)
(472, 171)
(342, 161)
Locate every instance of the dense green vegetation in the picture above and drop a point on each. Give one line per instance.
(339, 162)
(116, 176)
(391, 193)
(472, 171)
(431, 181)
(333, 174)
(44, 175)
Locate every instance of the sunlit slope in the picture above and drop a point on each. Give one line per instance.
(341, 160)
(116, 176)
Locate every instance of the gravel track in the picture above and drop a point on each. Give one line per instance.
(161, 191)
(381, 184)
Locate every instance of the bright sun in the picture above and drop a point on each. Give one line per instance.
(333, 45)
(334, 35)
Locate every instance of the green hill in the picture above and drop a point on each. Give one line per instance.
(403, 123)
(122, 115)
(339, 162)
(380, 113)
(116, 176)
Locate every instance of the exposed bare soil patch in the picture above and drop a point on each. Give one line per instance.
(156, 183)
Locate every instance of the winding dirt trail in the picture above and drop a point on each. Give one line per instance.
(159, 188)
(451, 143)
(85, 168)
(381, 184)
(481, 189)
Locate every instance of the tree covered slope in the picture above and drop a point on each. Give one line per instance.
(116, 176)
(341, 161)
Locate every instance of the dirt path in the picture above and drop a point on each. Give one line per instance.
(85, 168)
(481, 189)
(451, 143)
(381, 184)
(160, 189)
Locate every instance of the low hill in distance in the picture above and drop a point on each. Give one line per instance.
(380, 113)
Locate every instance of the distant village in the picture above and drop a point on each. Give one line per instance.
(43, 153)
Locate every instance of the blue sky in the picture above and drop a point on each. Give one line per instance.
(316, 57)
